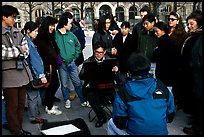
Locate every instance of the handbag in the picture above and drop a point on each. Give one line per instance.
(36, 83)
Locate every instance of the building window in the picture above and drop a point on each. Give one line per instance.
(88, 15)
(120, 14)
(39, 13)
(18, 22)
(132, 12)
(76, 14)
(105, 9)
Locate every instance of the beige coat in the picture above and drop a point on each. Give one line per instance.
(11, 77)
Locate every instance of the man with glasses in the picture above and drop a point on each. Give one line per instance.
(15, 71)
(93, 91)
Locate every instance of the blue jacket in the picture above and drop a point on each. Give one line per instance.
(34, 60)
(140, 110)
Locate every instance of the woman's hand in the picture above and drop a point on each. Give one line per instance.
(43, 80)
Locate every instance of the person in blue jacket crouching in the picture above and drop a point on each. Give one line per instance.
(143, 104)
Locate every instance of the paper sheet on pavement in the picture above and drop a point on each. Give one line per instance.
(61, 130)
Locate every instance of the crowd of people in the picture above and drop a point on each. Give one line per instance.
(158, 70)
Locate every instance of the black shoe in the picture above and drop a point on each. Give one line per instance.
(23, 132)
(100, 122)
(193, 130)
(55, 99)
(5, 126)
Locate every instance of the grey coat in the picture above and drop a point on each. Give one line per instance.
(11, 77)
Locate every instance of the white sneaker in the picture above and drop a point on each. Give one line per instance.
(53, 111)
(68, 104)
(85, 104)
(55, 106)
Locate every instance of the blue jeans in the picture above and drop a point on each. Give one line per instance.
(72, 71)
(113, 130)
(4, 121)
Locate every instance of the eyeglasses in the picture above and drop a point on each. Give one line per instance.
(171, 19)
(99, 52)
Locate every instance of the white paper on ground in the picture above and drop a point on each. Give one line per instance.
(60, 130)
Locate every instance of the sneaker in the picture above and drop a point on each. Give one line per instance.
(88, 105)
(68, 104)
(85, 104)
(55, 106)
(53, 111)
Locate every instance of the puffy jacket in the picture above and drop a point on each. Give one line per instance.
(141, 109)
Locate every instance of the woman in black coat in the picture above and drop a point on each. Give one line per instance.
(166, 56)
(191, 83)
(49, 52)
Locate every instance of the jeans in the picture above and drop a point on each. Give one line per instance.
(32, 99)
(42, 94)
(4, 121)
(66, 70)
(113, 130)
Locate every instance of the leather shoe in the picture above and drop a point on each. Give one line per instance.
(23, 132)
(100, 122)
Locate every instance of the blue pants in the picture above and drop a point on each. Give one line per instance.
(3, 112)
(70, 70)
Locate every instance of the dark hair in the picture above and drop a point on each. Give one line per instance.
(149, 17)
(68, 15)
(175, 14)
(145, 8)
(44, 27)
(62, 21)
(138, 63)
(99, 44)
(102, 23)
(30, 26)
(39, 20)
(197, 16)
(162, 26)
(126, 24)
(8, 10)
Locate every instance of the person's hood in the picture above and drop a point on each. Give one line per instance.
(142, 88)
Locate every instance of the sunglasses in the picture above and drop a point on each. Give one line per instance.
(171, 19)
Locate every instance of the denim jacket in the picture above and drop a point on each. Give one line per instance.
(34, 60)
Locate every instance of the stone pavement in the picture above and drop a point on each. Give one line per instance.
(76, 111)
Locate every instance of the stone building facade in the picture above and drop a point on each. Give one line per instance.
(125, 11)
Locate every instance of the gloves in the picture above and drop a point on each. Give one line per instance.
(59, 60)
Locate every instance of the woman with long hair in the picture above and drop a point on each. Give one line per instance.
(49, 53)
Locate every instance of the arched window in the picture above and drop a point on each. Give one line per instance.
(105, 9)
(120, 14)
(76, 14)
(39, 13)
(132, 12)
(88, 15)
